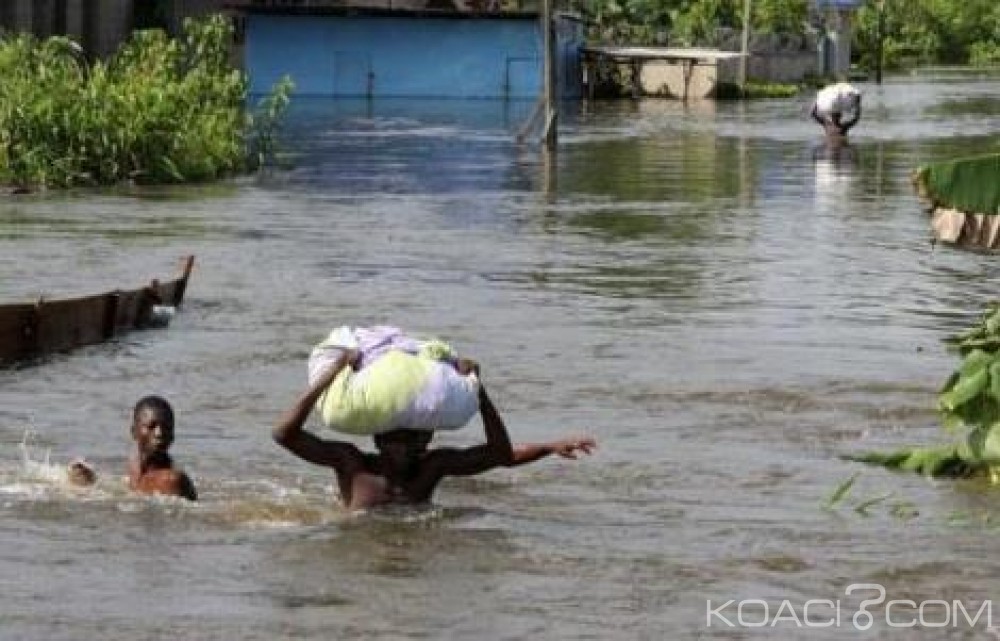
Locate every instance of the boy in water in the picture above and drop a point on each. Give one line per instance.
(151, 470)
(404, 470)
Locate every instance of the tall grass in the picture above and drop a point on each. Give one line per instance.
(160, 110)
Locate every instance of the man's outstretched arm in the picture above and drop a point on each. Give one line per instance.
(498, 451)
(288, 433)
(495, 452)
(569, 448)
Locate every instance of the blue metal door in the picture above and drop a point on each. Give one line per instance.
(524, 77)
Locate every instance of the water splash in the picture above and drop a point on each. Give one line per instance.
(36, 475)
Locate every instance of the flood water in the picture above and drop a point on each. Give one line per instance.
(722, 303)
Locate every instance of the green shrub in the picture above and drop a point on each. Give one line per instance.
(160, 110)
(969, 406)
(917, 32)
(755, 89)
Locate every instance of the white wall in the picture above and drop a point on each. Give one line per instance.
(683, 81)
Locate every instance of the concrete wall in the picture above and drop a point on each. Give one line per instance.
(783, 67)
(463, 57)
(776, 57)
(678, 80)
(683, 81)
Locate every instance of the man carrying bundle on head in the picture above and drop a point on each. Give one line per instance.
(831, 104)
(381, 383)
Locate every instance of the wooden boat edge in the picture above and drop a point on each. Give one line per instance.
(31, 330)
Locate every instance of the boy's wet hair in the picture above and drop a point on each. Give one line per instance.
(157, 404)
(78, 472)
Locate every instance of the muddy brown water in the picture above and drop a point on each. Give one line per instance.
(723, 303)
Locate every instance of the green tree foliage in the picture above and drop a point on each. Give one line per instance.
(160, 110)
(687, 22)
(780, 16)
(915, 31)
(919, 32)
(699, 22)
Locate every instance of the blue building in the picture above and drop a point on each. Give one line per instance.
(373, 52)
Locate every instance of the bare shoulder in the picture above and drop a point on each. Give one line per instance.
(167, 482)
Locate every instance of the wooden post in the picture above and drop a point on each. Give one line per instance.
(745, 47)
(550, 133)
(549, 173)
(879, 36)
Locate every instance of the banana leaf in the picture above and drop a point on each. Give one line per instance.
(964, 198)
(970, 185)
(941, 461)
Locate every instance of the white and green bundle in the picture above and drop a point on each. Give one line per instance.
(400, 383)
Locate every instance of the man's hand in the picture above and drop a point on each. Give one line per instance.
(571, 447)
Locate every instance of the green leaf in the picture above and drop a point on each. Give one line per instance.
(983, 343)
(992, 323)
(863, 507)
(950, 383)
(967, 388)
(994, 390)
(904, 510)
(990, 444)
(951, 422)
(842, 490)
(171, 169)
(975, 361)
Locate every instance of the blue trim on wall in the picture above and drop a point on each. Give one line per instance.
(358, 56)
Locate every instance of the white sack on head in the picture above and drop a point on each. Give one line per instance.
(402, 383)
(838, 98)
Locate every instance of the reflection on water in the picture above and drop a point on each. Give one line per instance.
(984, 105)
(725, 303)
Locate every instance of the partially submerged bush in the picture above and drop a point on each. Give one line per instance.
(160, 110)
(755, 89)
(969, 404)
